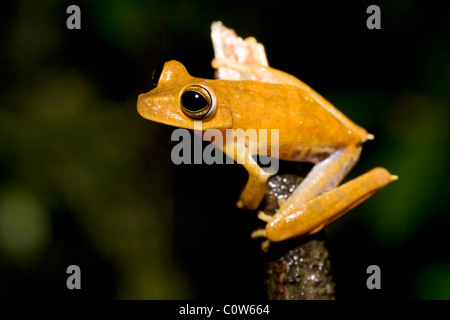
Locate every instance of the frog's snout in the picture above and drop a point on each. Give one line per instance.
(147, 106)
(140, 99)
(142, 104)
(159, 107)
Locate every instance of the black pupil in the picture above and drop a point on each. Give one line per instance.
(157, 73)
(193, 101)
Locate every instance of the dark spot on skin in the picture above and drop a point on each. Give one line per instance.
(320, 156)
(295, 154)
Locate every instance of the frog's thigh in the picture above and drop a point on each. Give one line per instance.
(325, 175)
(311, 217)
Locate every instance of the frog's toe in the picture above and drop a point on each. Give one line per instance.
(259, 233)
(264, 216)
(281, 201)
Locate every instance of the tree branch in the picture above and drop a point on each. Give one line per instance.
(297, 269)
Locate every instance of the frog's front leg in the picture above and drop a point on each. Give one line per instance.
(255, 188)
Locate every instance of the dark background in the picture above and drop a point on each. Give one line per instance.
(85, 180)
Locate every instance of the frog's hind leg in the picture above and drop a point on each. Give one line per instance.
(323, 177)
(312, 216)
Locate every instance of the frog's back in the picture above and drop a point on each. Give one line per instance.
(307, 131)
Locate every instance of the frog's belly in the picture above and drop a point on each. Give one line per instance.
(314, 154)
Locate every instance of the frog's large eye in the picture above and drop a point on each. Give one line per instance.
(198, 102)
(157, 74)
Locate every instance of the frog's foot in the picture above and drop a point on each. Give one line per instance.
(230, 48)
(229, 69)
(261, 233)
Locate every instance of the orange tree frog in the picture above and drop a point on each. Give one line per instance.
(310, 129)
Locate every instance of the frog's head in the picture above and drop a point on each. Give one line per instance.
(180, 99)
